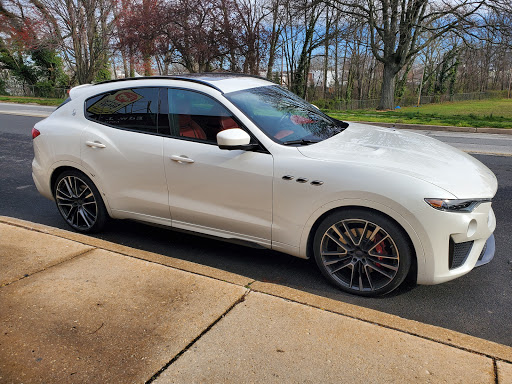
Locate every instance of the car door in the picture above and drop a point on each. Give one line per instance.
(122, 149)
(227, 193)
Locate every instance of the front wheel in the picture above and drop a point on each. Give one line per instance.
(80, 202)
(362, 252)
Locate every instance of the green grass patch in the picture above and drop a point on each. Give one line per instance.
(31, 100)
(477, 113)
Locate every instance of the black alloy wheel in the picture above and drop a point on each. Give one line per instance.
(362, 252)
(80, 202)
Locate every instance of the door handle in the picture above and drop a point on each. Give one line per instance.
(95, 144)
(181, 159)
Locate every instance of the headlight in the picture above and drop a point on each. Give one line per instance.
(456, 205)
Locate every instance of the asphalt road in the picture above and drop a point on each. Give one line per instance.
(26, 109)
(479, 303)
(474, 142)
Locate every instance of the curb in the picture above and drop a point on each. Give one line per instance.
(430, 332)
(502, 131)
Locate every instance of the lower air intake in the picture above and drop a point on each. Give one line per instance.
(459, 253)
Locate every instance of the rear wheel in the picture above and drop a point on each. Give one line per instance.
(79, 202)
(362, 252)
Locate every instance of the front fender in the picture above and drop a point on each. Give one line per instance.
(402, 216)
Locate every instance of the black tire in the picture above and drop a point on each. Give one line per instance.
(79, 202)
(362, 252)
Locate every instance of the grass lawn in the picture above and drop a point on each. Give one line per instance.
(31, 100)
(476, 113)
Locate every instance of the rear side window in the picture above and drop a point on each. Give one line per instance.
(134, 109)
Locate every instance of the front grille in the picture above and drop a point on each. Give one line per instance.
(459, 253)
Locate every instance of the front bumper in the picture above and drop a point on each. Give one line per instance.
(487, 253)
(459, 242)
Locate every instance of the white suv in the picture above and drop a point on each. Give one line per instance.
(243, 159)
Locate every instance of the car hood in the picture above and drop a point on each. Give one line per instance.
(409, 153)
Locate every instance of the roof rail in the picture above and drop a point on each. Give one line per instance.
(220, 74)
(162, 78)
(192, 77)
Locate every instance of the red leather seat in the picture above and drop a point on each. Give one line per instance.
(189, 128)
(227, 123)
(282, 134)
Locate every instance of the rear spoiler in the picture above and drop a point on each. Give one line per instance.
(76, 90)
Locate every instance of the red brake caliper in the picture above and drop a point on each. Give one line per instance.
(379, 249)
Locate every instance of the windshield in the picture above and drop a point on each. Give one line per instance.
(285, 117)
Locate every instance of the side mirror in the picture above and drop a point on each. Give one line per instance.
(234, 138)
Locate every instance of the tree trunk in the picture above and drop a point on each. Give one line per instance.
(147, 62)
(300, 79)
(132, 63)
(340, 83)
(272, 49)
(125, 65)
(336, 79)
(326, 68)
(326, 52)
(387, 96)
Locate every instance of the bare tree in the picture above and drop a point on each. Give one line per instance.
(250, 14)
(196, 29)
(397, 30)
(82, 30)
(277, 13)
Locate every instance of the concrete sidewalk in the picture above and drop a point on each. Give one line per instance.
(76, 309)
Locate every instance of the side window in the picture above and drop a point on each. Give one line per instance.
(134, 109)
(198, 116)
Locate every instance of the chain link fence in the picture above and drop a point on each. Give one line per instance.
(413, 100)
(42, 90)
(46, 91)
(343, 105)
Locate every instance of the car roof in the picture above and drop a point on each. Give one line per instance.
(224, 82)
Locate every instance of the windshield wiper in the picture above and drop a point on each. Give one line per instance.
(301, 141)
